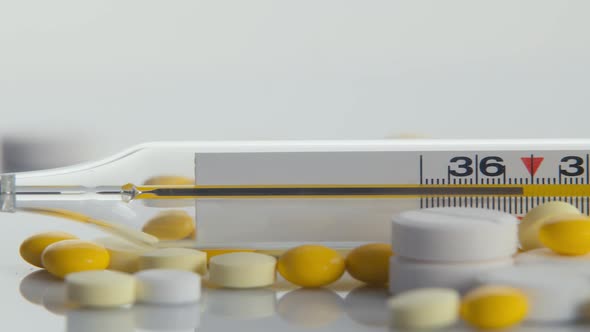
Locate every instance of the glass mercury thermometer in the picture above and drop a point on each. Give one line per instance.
(282, 193)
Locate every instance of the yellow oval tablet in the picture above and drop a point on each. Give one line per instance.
(494, 307)
(170, 225)
(64, 257)
(166, 180)
(370, 263)
(32, 247)
(311, 265)
(528, 228)
(566, 235)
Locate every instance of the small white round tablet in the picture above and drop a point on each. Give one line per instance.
(555, 294)
(162, 286)
(454, 234)
(406, 274)
(175, 258)
(576, 264)
(425, 308)
(100, 288)
(242, 270)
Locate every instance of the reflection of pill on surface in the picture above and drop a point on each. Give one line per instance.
(170, 225)
(124, 255)
(242, 270)
(494, 307)
(310, 307)
(528, 229)
(311, 265)
(34, 285)
(454, 234)
(425, 308)
(92, 320)
(33, 246)
(185, 316)
(55, 300)
(578, 264)
(566, 234)
(406, 274)
(174, 258)
(369, 263)
(100, 288)
(554, 294)
(161, 286)
(366, 306)
(241, 304)
(68, 256)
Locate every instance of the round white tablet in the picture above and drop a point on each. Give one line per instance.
(242, 270)
(576, 264)
(100, 288)
(161, 286)
(124, 255)
(425, 308)
(454, 234)
(555, 295)
(174, 258)
(406, 274)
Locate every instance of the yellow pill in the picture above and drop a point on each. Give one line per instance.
(311, 265)
(64, 257)
(567, 234)
(528, 228)
(170, 225)
(370, 263)
(494, 307)
(32, 248)
(166, 180)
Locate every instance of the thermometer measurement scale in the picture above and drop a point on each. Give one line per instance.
(301, 191)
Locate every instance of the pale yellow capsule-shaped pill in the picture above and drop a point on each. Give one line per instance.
(566, 234)
(528, 228)
(424, 308)
(494, 307)
(174, 258)
(124, 255)
(171, 225)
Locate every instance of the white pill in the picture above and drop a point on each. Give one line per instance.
(175, 258)
(100, 288)
(406, 274)
(124, 255)
(554, 294)
(161, 286)
(576, 264)
(425, 308)
(454, 234)
(242, 270)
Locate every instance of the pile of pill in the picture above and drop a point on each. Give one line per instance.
(482, 266)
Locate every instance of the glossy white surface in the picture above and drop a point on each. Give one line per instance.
(33, 301)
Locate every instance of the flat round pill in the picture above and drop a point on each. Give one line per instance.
(528, 228)
(100, 288)
(425, 308)
(554, 293)
(566, 234)
(163, 286)
(174, 258)
(494, 307)
(454, 234)
(68, 256)
(311, 265)
(170, 225)
(124, 255)
(369, 263)
(33, 246)
(242, 270)
(406, 274)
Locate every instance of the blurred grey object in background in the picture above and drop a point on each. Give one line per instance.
(21, 153)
